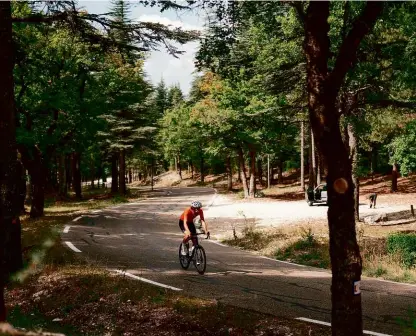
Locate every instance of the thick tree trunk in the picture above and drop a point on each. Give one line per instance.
(114, 173)
(76, 174)
(10, 229)
(353, 146)
(323, 89)
(229, 174)
(243, 177)
(122, 172)
(394, 176)
(252, 188)
(302, 155)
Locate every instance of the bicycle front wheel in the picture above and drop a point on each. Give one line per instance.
(200, 260)
(183, 259)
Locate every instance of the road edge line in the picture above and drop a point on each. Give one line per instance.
(367, 332)
(66, 229)
(72, 247)
(146, 280)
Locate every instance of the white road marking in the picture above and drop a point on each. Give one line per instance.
(72, 247)
(66, 229)
(146, 280)
(217, 243)
(366, 332)
(283, 262)
(77, 219)
(95, 211)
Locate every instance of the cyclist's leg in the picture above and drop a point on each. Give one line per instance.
(194, 236)
(185, 240)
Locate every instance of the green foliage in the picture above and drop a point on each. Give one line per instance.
(403, 148)
(404, 245)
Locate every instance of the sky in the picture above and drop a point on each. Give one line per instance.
(160, 64)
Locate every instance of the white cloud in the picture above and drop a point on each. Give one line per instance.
(160, 64)
(168, 22)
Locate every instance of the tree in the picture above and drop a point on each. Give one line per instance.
(403, 148)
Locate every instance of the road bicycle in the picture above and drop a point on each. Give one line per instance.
(197, 256)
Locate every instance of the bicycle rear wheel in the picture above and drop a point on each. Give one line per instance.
(200, 260)
(183, 259)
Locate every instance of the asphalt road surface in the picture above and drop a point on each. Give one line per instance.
(143, 238)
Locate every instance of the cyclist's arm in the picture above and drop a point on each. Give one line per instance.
(204, 225)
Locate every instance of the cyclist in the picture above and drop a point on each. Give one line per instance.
(187, 226)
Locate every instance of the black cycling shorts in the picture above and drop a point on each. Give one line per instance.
(191, 227)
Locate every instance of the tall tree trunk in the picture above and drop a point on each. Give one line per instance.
(280, 172)
(76, 174)
(130, 176)
(114, 173)
(252, 188)
(313, 160)
(28, 200)
(260, 172)
(242, 166)
(229, 173)
(122, 172)
(302, 155)
(202, 168)
(62, 176)
(38, 177)
(68, 173)
(394, 176)
(353, 146)
(179, 168)
(239, 180)
(152, 168)
(268, 171)
(176, 164)
(10, 229)
(323, 88)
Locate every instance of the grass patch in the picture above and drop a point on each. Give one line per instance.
(307, 250)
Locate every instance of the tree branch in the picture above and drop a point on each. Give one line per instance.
(348, 50)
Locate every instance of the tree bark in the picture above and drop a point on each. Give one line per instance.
(260, 172)
(280, 172)
(114, 173)
(229, 173)
(353, 146)
(38, 177)
(394, 176)
(268, 171)
(202, 168)
(10, 229)
(302, 155)
(62, 177)
(323, 89)
(243, 177)
(122, 172)
(252, 188)
(130, 176)
(76, 173)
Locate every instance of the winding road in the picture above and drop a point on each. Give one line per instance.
(142, 239)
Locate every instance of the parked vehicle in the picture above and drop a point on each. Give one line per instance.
(317, 195)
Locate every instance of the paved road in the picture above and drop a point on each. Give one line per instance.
(142, 238)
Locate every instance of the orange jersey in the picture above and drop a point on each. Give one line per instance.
(190, 214)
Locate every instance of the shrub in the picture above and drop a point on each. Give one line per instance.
(404, 245)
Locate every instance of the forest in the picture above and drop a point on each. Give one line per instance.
(327, 89)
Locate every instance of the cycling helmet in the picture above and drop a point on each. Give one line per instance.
(196, 204)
